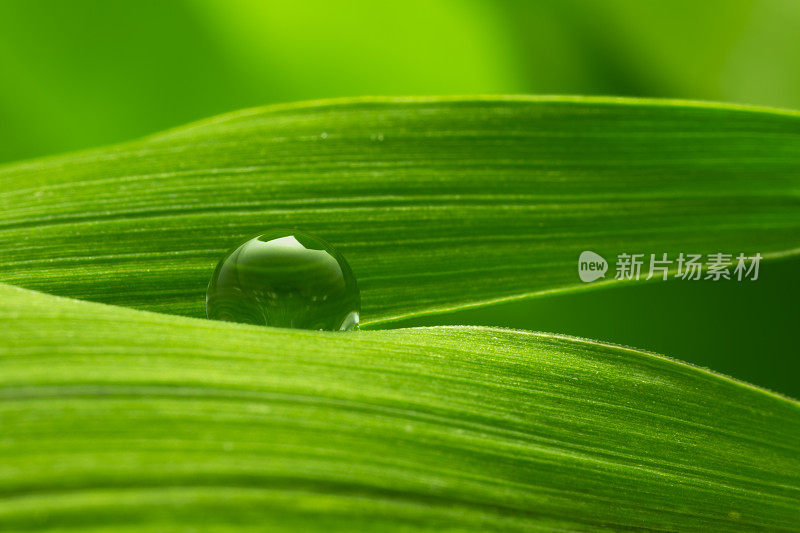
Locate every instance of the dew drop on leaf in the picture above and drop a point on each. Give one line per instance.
(285, 279)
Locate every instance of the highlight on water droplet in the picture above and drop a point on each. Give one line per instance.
(285, 278)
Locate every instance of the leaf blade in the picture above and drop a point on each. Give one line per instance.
(436, 203)
(142, 418)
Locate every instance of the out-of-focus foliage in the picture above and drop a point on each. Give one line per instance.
(82, 73)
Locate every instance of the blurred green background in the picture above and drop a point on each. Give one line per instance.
(84, 73)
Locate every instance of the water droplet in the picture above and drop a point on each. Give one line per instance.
(285, 279)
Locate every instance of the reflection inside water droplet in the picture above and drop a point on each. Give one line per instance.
(285, 279)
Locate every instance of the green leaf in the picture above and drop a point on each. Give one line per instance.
(125, 420)
(437, 203)
(118, 419)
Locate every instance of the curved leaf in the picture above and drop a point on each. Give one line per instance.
(436, 203)
(126, 420)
